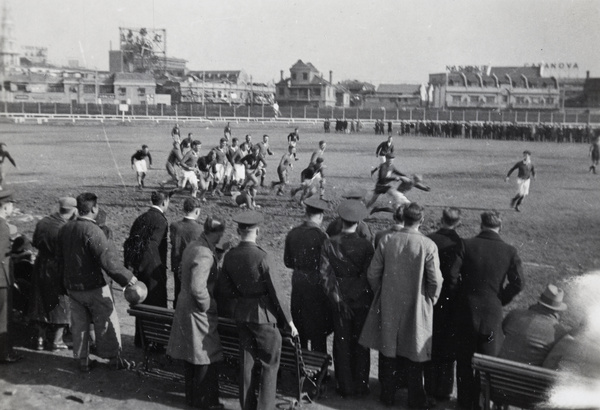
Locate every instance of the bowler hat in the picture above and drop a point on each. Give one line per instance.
(136, 293)
(552, 298)
(352, 210)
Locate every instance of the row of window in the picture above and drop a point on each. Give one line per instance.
(87, 89)
(491, 99)
(304, 76)
(516, 84)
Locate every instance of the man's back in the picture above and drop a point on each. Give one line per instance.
(303, 247)
(530, 335)
(182, 233)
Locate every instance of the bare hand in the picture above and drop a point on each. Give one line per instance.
(293, 330)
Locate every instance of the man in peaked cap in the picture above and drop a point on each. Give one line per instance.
(260, 309)
(146, 250)
(345, 259)
(531, 333)
(302, 253)
(7, 280)
(49, 304)
(363, 229)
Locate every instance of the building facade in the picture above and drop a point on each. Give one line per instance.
(307, 87)
(397, 96)
(494, 88)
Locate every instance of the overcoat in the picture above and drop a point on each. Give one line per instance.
(194, 337)
(405, 276)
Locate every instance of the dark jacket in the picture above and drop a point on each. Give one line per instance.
(492, 276)
(363, 230)
(82, 252)
(150, 231)
(303, 248)
(6, 276)
(248, 278)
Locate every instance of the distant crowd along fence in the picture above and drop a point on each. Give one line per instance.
(297, 113)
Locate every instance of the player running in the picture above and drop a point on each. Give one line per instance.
(4, 154)
(595, 153)
(310, 177)
(138, 162)
(525, 174)
(283, 170)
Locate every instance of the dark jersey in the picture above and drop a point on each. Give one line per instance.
(140, 155)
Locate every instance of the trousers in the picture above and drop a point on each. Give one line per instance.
(201, 384)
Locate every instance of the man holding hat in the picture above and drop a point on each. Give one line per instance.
(7, 280)
(363, 230)
(530, 334)
(345, 259)
(146, 250)
(49, 306)
(83, 253)
(302, 253)
(260, 309)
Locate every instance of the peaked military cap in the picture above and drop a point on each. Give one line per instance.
(356, 193)
(316, 203)
(248, 219)
(7, 195)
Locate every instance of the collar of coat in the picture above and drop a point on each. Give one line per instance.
(491, 235)
(155, 208)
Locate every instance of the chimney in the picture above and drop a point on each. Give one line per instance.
(281, 74)
(587, 74)
(331, 76)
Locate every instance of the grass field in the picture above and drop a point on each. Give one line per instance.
(556, 233)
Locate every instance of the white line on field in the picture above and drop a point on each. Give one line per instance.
(538, 265)
(24, 182)
(113, 157)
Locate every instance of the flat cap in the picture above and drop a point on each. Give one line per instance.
(248, 219)
(355, 193)
(7, 195)
(352, 210)
(389, 156)
(67, 202)
(214, 224)
(316, 203)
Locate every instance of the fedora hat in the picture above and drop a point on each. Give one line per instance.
(552, 298)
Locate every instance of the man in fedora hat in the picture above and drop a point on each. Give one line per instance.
(302, 253)
(260, 309)
(345, 259)
(531, 333)
(7, 280)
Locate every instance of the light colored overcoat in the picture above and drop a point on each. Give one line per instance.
(194, 337)
(405, 276)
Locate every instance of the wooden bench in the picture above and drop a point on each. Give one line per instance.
(308, 368)
(511, 383)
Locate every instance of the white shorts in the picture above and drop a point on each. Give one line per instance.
(228, 170)
(239, 172)
(140, 165)
(523, 186)
(189, 176)
(382, 159)
(219, 172)
(398, 198)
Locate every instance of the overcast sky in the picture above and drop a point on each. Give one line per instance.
(386, 41)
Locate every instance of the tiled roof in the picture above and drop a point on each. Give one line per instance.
(398, 88)
(301, 65)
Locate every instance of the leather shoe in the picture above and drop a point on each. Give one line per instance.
(59, 346)
(11, 358)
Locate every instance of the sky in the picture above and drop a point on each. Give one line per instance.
(384, 41)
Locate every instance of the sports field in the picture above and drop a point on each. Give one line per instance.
(556, 233)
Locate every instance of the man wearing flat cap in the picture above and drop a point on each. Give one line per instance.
(363, 230)
(49, 306)
(7, 280)
(146, 251)
(345, 259)
(83, 253)
(530, 334)
(260, 309)
(302, 253)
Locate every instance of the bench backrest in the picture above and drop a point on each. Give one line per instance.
(155, 323)
(507, 382)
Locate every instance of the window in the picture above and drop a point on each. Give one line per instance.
(106, 89)
(305, 76)
(505, 98)
(520, 100)
(490, 99)
(89, 89)
(535, 100)
(281, 91)
(450, 82)
(56, 88)
(293, 76)
(549, 100)
(456, 98)
(316, 92)
(122, 90)
(141, 91)
(474, 99)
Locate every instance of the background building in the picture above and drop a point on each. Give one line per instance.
(393, 96)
